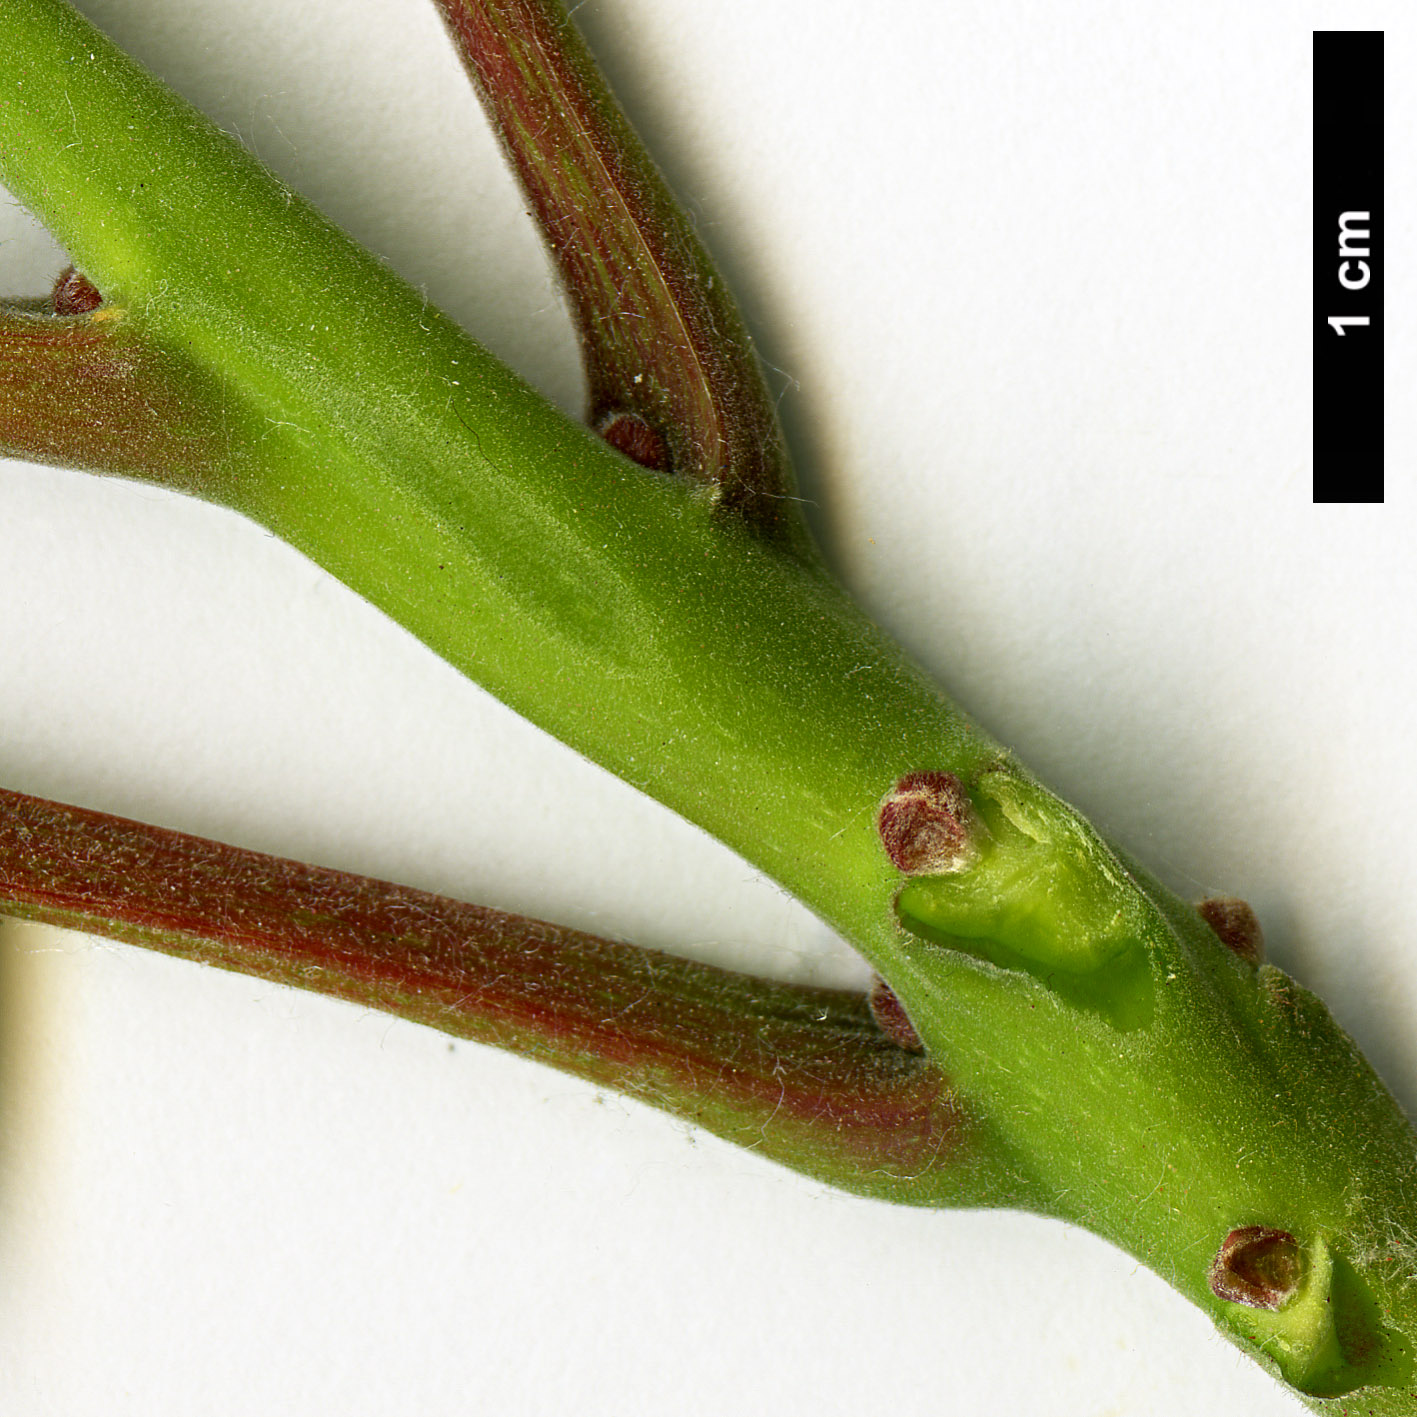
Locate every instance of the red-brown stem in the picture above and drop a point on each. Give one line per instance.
(661, 337)
(84, 390)
(802, 1074)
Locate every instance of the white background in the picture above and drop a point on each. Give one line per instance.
(1037, 279)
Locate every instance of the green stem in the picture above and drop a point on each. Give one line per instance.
(1154, 1085)
(611, 606)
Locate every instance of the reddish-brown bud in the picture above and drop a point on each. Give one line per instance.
(1258, 1267)
(927, 824)
(891, 1017)
(75, 294)
(631, 435)
(1236, 925)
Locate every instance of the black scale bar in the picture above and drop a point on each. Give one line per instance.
(1348, 265)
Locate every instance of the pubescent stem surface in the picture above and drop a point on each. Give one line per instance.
(802, 1075)
(1152, 1085)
